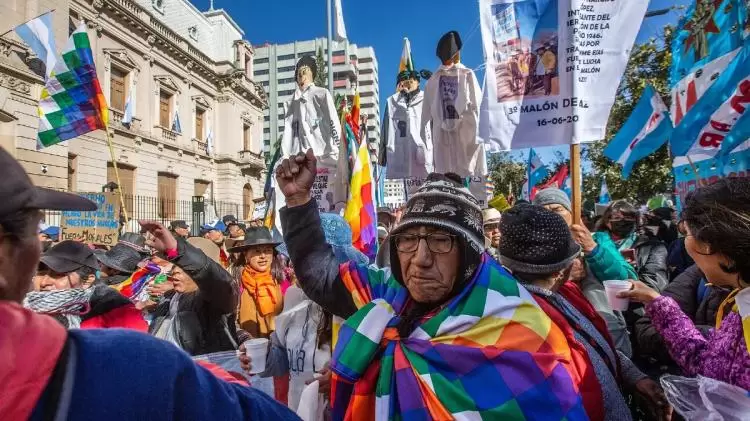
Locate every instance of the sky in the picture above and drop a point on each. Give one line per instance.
(383, 24)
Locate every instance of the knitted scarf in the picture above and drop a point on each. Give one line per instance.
(68, 303)
(490, 352)
(262, 288)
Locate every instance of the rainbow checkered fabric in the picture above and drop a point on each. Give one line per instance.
(72, 102)
(490, 354)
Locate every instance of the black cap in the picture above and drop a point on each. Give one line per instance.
(69, 256)
(448, 46)
(19, 193)
(229, 220)
(179, 224)
(308, 61)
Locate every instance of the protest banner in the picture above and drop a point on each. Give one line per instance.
(260, 211)
(706, 169)
(553, 68)
(100, 227)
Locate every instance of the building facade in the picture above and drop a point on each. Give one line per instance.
(354, 69)
(189, 77)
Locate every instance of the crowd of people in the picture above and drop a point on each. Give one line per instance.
(472, 313)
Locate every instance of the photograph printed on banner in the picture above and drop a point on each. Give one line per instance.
(526, 50)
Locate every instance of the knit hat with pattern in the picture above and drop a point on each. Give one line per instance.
(444, 203)
(535, 241)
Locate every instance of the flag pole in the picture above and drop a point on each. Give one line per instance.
(110, 136)
(29, 20)
(330, 46)
(575, 166)
(695, 171)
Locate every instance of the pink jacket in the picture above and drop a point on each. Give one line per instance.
(722, 355)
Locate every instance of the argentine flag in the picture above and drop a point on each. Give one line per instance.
(604, 193)
(645, 131)
(210, 142)
(537, 169)
(176, 126)
(719, 121)
(127, 117)
(40, 37)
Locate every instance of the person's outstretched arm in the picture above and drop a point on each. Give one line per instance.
(314, 262)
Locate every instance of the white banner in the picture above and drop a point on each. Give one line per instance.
(553, 68)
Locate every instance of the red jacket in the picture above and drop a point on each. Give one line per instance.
(110, 309)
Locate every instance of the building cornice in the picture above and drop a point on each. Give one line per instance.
(157, 35)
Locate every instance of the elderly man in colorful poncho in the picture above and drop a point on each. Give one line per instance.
(446, 332)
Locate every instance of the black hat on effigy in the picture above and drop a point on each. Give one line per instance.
(448, 46)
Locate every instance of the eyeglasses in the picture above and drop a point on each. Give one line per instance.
(491, 226)
(437, 243)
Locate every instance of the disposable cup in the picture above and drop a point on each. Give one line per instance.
(612, 288)
(257, 350)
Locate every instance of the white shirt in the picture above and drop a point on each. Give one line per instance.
(451, 107)
(311, 121)
(409, 153)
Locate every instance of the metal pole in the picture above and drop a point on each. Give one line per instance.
(330, 47)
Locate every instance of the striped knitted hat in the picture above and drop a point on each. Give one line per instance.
(444, 203)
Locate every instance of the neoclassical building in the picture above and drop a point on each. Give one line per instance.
(188, 75)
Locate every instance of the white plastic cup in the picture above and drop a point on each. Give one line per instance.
(614, 287)
(257, 350)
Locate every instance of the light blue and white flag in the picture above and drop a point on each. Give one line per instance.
(176, 126)
(127, 117)
(645, 131)
(705, 41)
(210, 142)
(537, 169)
(719, 120)
(604, 193)
(40, 37)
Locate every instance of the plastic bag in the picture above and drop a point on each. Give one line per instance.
(705, 399)
(228, 361)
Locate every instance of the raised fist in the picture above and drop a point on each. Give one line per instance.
(295, 176)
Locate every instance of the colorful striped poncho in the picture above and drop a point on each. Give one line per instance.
(490, 353)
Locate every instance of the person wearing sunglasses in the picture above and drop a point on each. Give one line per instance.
(427, 337)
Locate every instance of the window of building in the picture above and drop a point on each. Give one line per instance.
(286, 80)
(165, 110)
(339, 53)
(167, 195)
(127, 181)
(72, 172)
(261, 60)
(267, 118)
(117, 89)
(286, 57)
(365, 71)
(247, 138)
(281, 116)
(365, 83)
(200, 117)
(266, 130)
(248, 205)
(265, 83)
(287, 92)
(287, 69)
(261, 72)
(201, 187)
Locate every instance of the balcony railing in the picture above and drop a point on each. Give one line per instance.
(201, 146)
(168, 135)
(252, 159)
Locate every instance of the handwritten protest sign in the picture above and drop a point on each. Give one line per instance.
(99, 227)
(323, 190)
